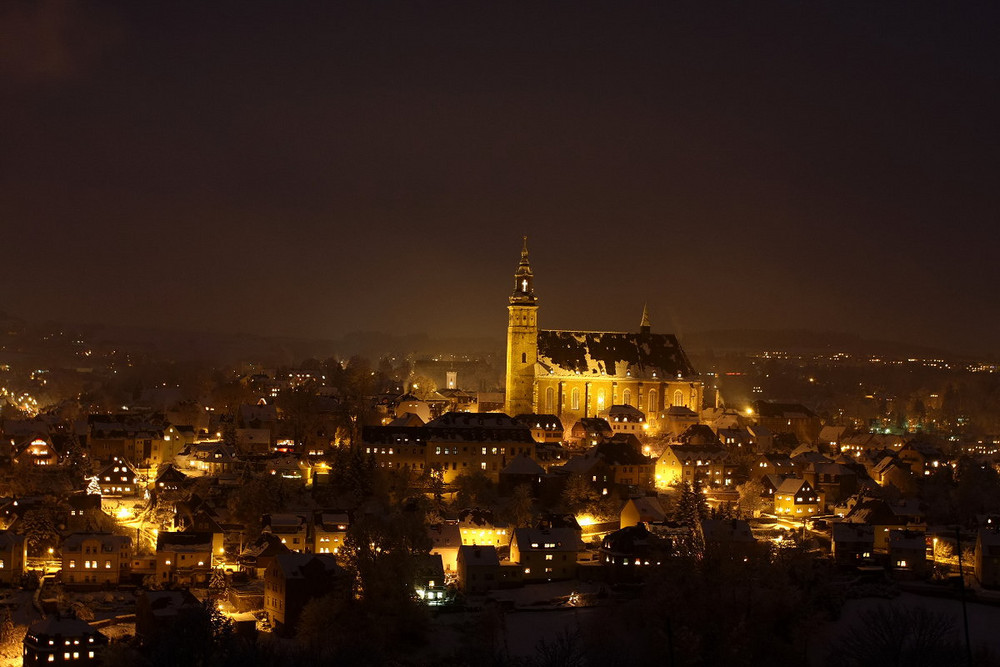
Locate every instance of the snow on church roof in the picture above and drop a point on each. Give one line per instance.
(612, 354)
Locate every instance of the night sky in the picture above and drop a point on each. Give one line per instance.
(314, 169)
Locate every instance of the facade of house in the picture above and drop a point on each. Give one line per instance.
(546, 554)
(293, 579)
(183, 558)
(453, 444)
(796, 498)
(686, 463)
(478, 569)
(292, 529)
(853, 543)
(13, 558)
(119, 479)
(95, 559)
(987, 558)
(330, 531)
(62, 641)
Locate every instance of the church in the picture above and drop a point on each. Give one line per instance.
(578, 374)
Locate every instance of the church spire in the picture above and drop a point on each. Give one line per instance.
(524, 281)
(644, 324)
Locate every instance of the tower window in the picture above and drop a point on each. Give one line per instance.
(524, 357)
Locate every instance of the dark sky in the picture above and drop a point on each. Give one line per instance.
(313, 169)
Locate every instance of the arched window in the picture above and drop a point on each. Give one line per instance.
(550, 400)
(574, 398)
(678, 397)
(600, 400)
(652, 401)
(627, 397)
(524, 357)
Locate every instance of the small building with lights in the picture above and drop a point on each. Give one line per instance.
(59, 640)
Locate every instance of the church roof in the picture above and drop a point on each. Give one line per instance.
(612, 354)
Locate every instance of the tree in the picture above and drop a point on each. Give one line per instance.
(578, 495)
(473, 489)
(895, 636)
(520, 507)
(40, 529)
(751, 497)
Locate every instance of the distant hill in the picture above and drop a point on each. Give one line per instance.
(803, 341)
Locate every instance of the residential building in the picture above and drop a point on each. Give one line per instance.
(478, 569)
(59, 640)
(293, 579)
(13, 558)
(95, 559)
(796, 498)
(184, 558)
(546, 554)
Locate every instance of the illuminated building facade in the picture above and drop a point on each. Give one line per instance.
(95, 559)
(581, 374)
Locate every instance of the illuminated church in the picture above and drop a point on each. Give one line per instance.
(577, 374)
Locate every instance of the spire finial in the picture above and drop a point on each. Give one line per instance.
(523, 280)
(644, 324)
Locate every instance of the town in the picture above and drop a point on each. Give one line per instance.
(418, 510)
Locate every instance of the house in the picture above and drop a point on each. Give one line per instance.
(330, 531)
(797, 498)
(628, 553)
(428, 579)
(590, 431)
(183, 558)
(95, 559)
(13, 558)
(853, 543)
(259, 554)
(119, 479)
(446, 538)
(739, 440)
(521, 470)
(85, 513)
(170, 479)
(922, 457)
(156, 612)
(687, 463)
(642, 510)
(477, 526)
(293, 579)
(908, 551)
(478, 569)
(38, 450)
(879, 515)
(792, 418)
(62, 640)
(544, 428)
(626, 419)
(729, 539)
(834, 481)
(546, 554)
(453, 444)
(622, 456)
(213, 458)
(292, 529)
(987, 558)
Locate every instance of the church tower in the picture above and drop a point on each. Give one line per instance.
(522, 340)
